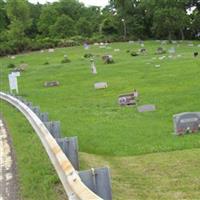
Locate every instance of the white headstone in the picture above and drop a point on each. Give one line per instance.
(51, 50)
(100, 85)
(116, 50)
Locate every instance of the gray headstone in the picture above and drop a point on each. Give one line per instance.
(146, 108)
(44, 117)
(54, 128)
(70, 149)
(98, 180)
(187, 122)
(51, 83)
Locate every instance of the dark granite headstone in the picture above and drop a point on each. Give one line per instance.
(188, 122)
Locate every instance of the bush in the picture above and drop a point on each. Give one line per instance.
(88, 55)
(11, 65)
(133, 53)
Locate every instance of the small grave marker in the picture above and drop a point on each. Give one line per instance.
(51, 83)
(146, 108)
(100, 85)
(51, 50)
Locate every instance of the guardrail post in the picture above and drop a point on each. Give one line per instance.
(44, 117)
(70, 149)
(98, 180)
(54, 128)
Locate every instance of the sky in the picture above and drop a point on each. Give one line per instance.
(86, 2)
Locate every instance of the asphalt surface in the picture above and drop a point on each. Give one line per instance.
(8, 180)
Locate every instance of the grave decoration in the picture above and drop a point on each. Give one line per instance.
(93, 67)
(196, 54)
(146, 108)
(188, 122)
(65, 59)
(51, 83)
(160, 50)
(100, 85)
(108, 59)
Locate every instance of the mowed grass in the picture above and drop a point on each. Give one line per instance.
(166, 175)
(102, 126)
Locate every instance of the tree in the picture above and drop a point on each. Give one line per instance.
(84, 27)
(18, 14)
(63, 27)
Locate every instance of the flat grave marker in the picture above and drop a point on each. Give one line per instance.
(127, 99)
(146, 108)
(100, 85)
(51, 83)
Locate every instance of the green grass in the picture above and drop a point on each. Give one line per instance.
(121, 136)
(37, 178)
(94, 116)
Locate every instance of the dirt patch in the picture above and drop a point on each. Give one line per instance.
(9, 189)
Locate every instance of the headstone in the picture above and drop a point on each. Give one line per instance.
(131, 42)
(86, 46)
(51, 83)
(54, 128)
(51, 50)
(142, 50)
(13, 57)
(98, 180)
(70, 149)
(41, 51)
(108, 59)
(100, 85)
(160, 50)
(146, 108)
(190, 45)
(127, 99)
(187, 122)
(198, 45)
(157, 66)
(116, 50)
(162, 57)
(172, 50)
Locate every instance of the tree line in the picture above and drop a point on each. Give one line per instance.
(26, 26)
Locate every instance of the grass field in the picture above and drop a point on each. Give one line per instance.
(119, 135)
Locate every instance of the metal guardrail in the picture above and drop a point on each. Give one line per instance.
(74, 187)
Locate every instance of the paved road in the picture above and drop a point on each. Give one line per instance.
(8, 183)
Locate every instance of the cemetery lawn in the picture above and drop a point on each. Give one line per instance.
(166, 175)
(102, 126)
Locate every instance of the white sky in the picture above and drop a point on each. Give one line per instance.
(86, 2)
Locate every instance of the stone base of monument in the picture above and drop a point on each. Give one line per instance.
(51, 83)
(127, 100)
(101, 85)
(188, 122)
(146, 108)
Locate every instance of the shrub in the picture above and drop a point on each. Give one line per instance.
(133, 53)
(11, 65)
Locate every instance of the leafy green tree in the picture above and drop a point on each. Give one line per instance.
(84, 27)
(19, 16)
(63, 27)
